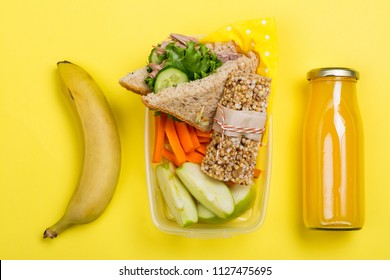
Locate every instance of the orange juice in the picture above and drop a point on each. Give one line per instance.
(333, 177)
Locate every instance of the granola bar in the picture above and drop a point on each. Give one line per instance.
(233, 158)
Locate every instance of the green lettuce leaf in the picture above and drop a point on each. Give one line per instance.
(196, 60)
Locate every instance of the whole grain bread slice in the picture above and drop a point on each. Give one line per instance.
(195, 102)
(135, 81)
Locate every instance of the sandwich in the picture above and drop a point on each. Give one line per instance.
(185, 78)
(214, 88)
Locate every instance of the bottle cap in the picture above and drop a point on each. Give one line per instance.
(332, 72)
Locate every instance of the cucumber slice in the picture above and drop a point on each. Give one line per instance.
(213, 194)
(169, 77)
(179, 201)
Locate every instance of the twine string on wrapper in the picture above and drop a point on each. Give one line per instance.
(232, 128)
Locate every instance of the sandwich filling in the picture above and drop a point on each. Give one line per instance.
(187, 59)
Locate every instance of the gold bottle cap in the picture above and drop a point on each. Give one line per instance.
(332, 72)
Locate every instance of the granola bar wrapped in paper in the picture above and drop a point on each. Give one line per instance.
(238, 128)
(232, 155)
(258, 35)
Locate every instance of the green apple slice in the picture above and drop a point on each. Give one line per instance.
(243, 196)
(208, 217)
(179, 201)
(213, 194)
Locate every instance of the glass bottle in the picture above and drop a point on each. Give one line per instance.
(333, 170)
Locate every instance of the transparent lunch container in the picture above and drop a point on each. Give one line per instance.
(248, 222)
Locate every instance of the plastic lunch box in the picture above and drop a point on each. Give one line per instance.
(248, 222)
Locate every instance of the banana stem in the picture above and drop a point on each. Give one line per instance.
(57, 228)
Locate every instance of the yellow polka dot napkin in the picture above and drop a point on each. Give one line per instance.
(258, 35)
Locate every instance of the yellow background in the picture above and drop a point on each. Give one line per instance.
(40, 148)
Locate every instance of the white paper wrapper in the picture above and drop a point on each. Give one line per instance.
(235, 123)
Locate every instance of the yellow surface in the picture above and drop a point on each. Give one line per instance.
(40, 150)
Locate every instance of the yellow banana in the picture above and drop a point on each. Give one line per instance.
(102, 150)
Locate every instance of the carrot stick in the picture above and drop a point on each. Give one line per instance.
(159, 128)
(195, 157)
(204, 140)
(202, 149)
(194, 137)
(203, 133)
(257, 173)
(170, 156)
(184, 136)
(174, 141)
